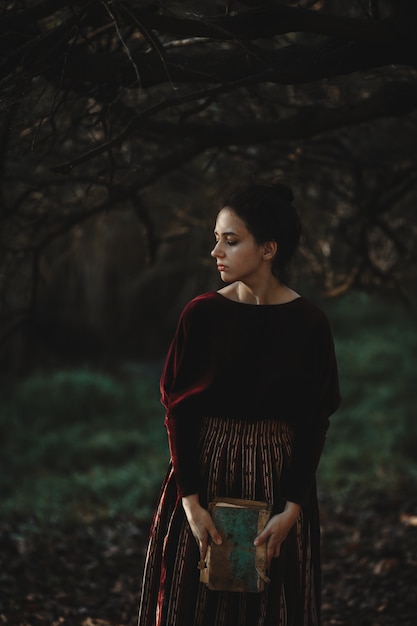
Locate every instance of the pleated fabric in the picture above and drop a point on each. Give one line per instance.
(238, 459)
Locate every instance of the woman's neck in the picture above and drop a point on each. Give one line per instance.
(272, 292)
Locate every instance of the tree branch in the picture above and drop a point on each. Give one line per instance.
(394, 99)
(138, 122)
(294, 64)
(261, 23)
(355, 45)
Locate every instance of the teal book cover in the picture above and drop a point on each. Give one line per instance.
(237, 565)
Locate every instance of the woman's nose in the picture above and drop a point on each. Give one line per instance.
(216, 250)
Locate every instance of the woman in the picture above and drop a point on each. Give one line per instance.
(249, 383)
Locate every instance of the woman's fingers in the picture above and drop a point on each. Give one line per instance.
(214, 533)
(203, 527)
(274, 533)
(209, 530)
(273, 549)
(202, 544)
(260, 539)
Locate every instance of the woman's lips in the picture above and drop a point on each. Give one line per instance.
(221, 268)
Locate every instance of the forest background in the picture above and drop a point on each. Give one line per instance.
(122, 126)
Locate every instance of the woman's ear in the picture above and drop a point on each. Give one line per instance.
(269, 250)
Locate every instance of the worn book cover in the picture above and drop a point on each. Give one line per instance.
(237, 565)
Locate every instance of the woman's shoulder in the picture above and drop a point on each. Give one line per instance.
(200, 304)
(313, 316)
(203, 300)
(311, 307)
(202, 312)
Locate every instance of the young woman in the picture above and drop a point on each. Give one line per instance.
(249, 383)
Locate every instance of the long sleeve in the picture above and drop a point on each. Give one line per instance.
(310, 433)
(186, 376)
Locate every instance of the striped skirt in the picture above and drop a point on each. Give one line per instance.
(241, 460)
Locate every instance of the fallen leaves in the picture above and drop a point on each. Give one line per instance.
(83, 575)
(88, 574)
(410, 520)
(369, 565)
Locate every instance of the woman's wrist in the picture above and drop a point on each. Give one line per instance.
(191, 501)
(292, 510)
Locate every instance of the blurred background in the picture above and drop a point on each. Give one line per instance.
(112, 171)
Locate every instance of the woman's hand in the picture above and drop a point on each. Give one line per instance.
(277, 529)
(201, 524)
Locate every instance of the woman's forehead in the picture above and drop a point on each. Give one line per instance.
(228, 221)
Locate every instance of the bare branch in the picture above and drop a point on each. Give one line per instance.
(140, 119)
(261, 23)
(394, 99)
(294, 64)
(124, 44)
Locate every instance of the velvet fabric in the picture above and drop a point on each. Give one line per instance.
(253, 362)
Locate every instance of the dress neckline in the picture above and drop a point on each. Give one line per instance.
(247, 304)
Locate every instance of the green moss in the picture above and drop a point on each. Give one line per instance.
(81, 443)
(373, 437)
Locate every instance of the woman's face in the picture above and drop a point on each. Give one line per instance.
(238, 255)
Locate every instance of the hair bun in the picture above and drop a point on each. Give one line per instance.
(283, 190)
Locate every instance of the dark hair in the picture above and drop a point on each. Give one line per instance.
(268, 213)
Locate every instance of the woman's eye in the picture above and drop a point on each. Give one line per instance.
(231, 243)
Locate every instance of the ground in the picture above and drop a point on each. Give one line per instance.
(88, 574)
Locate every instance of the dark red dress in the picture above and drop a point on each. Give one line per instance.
(248, 391)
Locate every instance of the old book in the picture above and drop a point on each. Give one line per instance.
(237, 565)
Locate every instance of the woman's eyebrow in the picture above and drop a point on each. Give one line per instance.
(226, 233)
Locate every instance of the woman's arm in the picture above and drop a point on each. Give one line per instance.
(186, 376)
(201, 523)
(277, 529)
(310, 432)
